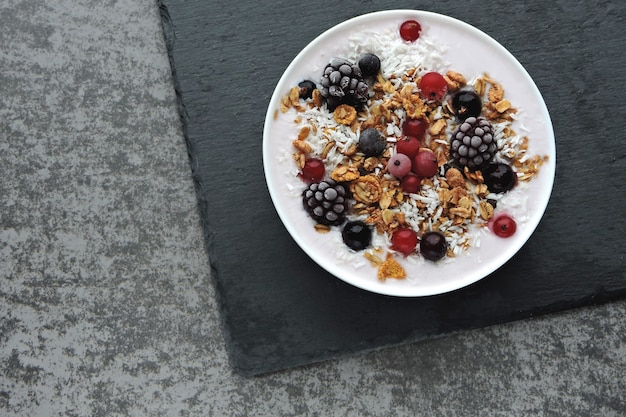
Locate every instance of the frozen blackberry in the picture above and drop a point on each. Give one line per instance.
(342, 83)
(472, 144)
(326, 202)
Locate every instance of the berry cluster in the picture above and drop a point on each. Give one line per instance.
(411, 162)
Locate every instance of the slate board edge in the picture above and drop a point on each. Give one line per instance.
(169, 35)
(601, 297)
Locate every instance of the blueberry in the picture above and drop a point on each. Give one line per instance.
(357, 235)
(466, 103)
(369, 65)
(306, 88)
(371, 142)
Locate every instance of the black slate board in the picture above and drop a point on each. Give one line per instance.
(282, 310)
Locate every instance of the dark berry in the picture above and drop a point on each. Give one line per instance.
(372, 142)
(472, 144)
(357, 235)
(369, 65)
(433, 246)
(499, 177)
(342, 83)
(503, 226)
(410, 30)
(467, 104)
(404, 240)
(326, 202)
(306, 88)
(433, 86)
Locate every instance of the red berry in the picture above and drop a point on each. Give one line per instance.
(410, 30)
(504, 226)
(404, 240)
(411, 184)
(425, 163)
(433, 86)
(313, 170)
(415, 127)
(409, 146)
(399, 165)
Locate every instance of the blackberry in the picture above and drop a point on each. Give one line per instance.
(342, 83)
(326, 202)
(473, 145)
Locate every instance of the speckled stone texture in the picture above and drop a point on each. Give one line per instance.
(106, 302)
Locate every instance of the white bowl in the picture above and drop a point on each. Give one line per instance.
(464, 44)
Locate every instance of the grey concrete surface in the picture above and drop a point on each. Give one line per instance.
(106, 303)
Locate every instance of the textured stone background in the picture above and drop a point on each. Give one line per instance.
(106, 303)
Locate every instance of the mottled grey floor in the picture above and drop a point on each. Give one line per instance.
(106, 303)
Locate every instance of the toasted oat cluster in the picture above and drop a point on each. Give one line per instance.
(453, 201)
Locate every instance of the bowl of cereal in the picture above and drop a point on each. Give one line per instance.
(408, 153)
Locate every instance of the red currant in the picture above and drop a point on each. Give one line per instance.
(504, 226)
(404, 240)
(415, 127)
(409, 146)
(313, 170)
(410, 30)
(425, 163)
(399, 165)
(433, 86)
(411, 184)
